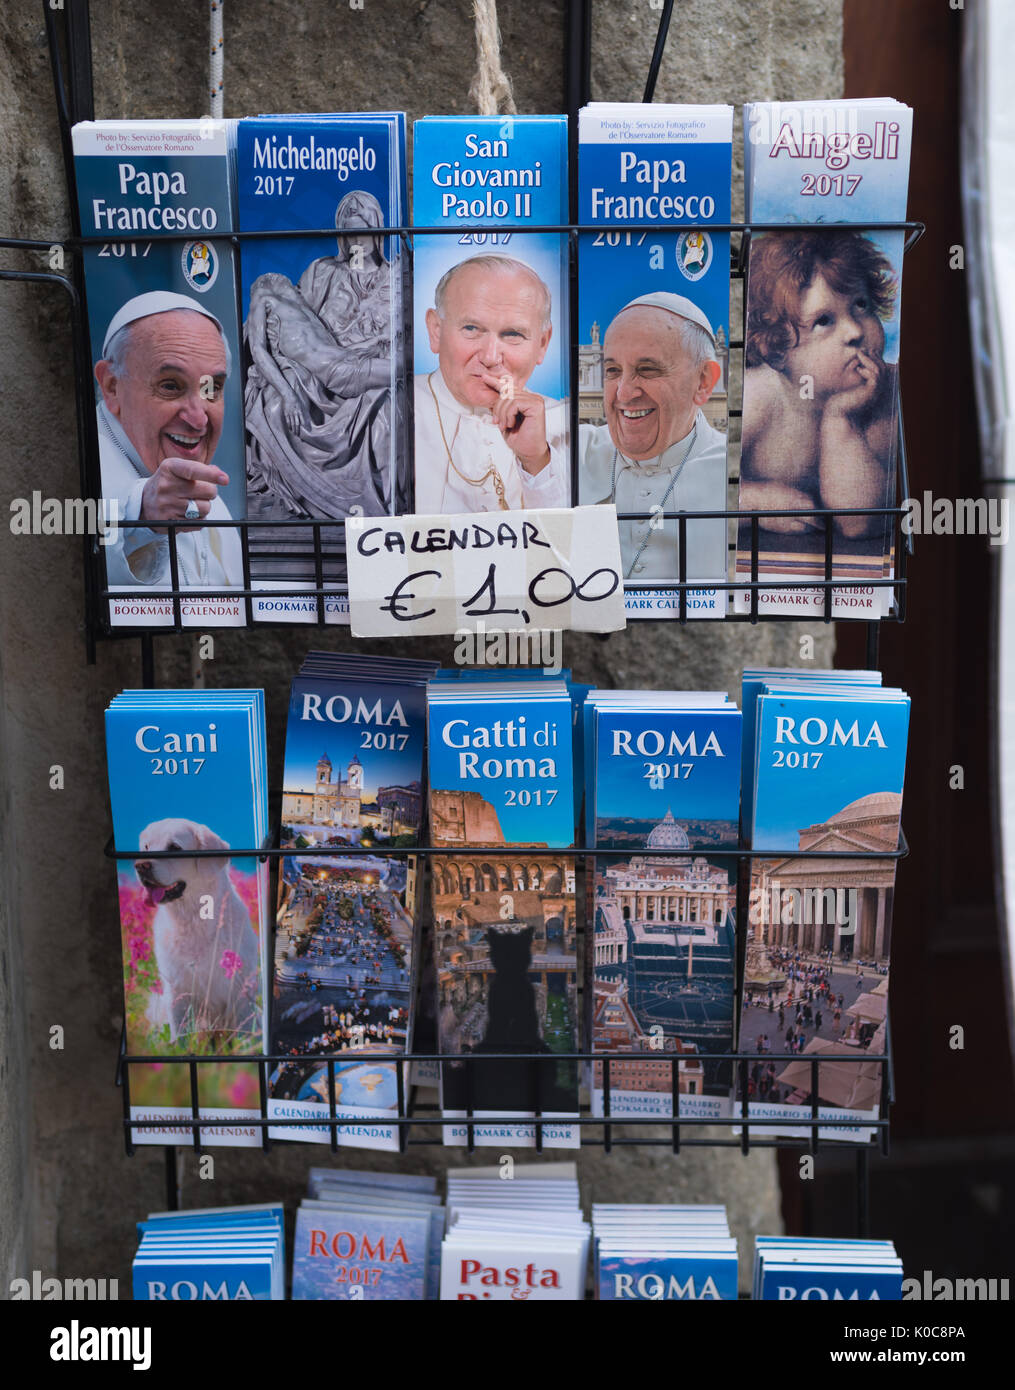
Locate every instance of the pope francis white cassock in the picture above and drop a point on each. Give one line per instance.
(139, 555)
(655, 382)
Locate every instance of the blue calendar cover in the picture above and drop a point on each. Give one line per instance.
(830, 1264)
(753, 683)
(324, 404)
(194, 1218)
(165, 352)
(830, 1283)
(505, 942)
(513, 752)
(193, 1277)
(654, 329)
(665, 786)
(490, 349)
(187, 773)
(663, 979)
(819, 757)
(827, 161)
(344, 942)
(220, 1253)
(653, 1277)
(821, 350)
(656, 766)
(380, 1204)
(830, 767)
(350, 1254)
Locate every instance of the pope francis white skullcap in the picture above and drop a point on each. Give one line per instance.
(674, 304)
(142, 306)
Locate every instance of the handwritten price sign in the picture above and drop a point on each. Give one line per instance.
(511, 570)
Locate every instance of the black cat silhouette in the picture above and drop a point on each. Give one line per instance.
(512, 1022)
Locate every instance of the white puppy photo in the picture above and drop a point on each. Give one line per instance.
(206, 949)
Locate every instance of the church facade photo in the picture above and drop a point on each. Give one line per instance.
(663, 964)
(340, 798)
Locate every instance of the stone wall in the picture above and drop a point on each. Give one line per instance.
(68, 1195)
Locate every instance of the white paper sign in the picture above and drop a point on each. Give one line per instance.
(558, 568)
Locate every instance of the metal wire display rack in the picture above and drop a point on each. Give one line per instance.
(97, 596)
(74, 100)
(412, 1115)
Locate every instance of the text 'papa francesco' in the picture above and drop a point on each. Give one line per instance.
(156, 218)
(637, 207)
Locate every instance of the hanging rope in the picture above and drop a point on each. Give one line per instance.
(491, 86)
(215, 86)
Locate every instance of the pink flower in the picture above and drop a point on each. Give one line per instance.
(230, 963)
(243, 1091)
